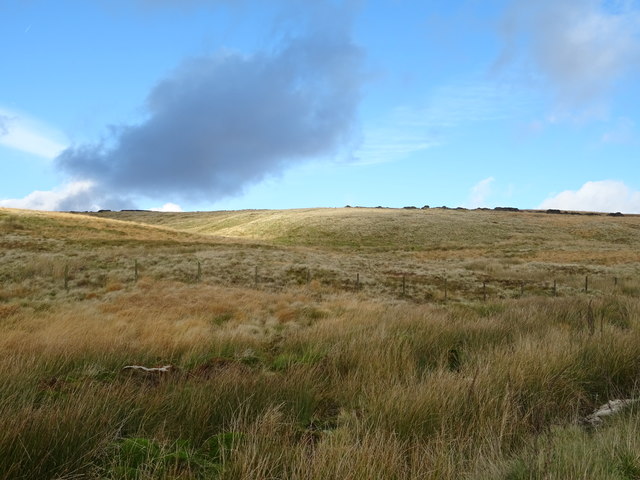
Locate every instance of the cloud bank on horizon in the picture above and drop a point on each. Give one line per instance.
(601, 196)
(79, 195)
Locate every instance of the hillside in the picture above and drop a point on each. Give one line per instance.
(319, 344)
(506, 249)
(515, 233)
(384, 251)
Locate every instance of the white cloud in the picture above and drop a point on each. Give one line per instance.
(601, 196)
(479, 193)
(168, 207)
(21, 132)
(476, 101)
(409, 129)
(382, 145)
(582, 48)
(73, 196)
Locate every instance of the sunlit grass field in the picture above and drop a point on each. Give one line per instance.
(318, 344)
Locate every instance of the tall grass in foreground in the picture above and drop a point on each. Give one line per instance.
(286, 385)
(571, 452)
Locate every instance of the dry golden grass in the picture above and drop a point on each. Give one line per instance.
(306, 377)
(393, 229)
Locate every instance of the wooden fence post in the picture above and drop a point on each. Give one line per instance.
(484, 290)
(445, 289)
(199, 274)
(586, 284)
(357, 281)
(135, 270)
(308, 276)
(521, 288)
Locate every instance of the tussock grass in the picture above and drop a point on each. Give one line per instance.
(362, 391)
(309, 378)
(572, 452)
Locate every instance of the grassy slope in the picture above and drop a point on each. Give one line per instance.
(425, 230)
(314, 381)
(17, 225)
(467, 247)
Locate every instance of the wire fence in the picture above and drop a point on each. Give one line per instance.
(420, 287)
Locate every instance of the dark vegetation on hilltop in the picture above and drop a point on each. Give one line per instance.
(426, 207)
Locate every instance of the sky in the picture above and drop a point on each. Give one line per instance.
(183, 105)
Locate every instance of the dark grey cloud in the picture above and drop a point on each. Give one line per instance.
(582, 48)
(219, 123)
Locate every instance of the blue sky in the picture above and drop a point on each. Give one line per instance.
(233, 104)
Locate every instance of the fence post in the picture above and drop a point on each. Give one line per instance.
(484, 290)
(199, 274)
(255, 276)
(135, 270)
(357, 281)
(308, 276)
(404, 285)
(522, 288)
(555, 288)
(445, 289)
(586, 284)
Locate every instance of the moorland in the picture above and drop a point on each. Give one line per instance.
(344, 343)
